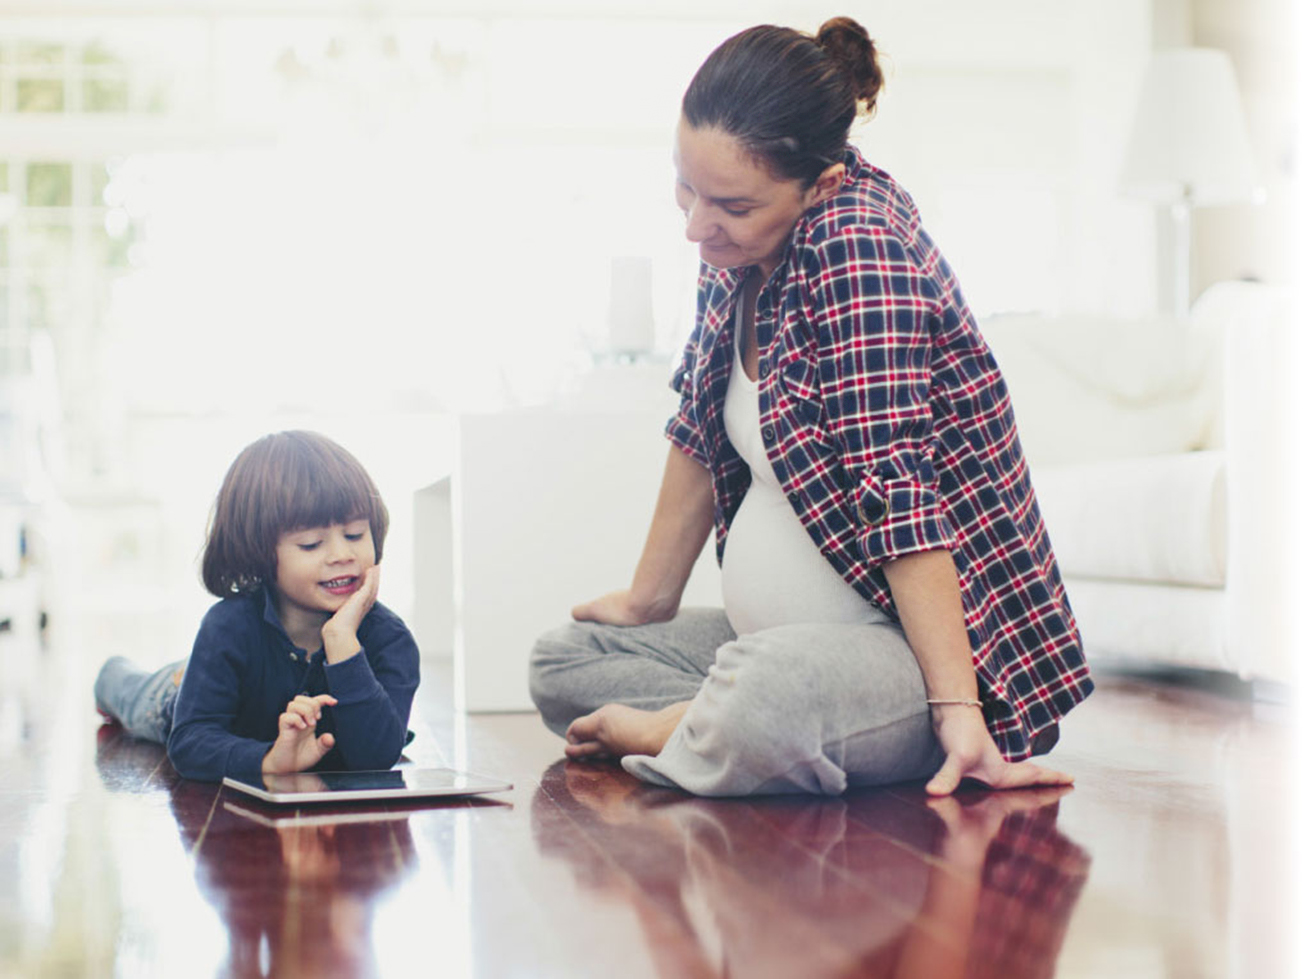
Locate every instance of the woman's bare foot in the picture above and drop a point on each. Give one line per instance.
(616, 730)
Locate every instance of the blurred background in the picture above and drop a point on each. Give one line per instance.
(220, 218)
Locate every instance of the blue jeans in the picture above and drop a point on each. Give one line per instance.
(139, 700)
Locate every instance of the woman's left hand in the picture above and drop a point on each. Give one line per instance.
(972, 753)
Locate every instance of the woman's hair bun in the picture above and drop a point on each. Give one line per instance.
(847, 42)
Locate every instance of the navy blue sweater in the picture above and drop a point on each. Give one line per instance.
(244, 669)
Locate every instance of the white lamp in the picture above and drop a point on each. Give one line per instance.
(629, 317)
(1189, 146)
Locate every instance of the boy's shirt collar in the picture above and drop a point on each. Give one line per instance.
(270, 616)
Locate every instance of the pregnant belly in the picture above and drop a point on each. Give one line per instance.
(773, 574)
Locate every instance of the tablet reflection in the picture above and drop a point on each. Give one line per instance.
(296, 889)
(878, 883)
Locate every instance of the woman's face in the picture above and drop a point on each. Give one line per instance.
(738, 212)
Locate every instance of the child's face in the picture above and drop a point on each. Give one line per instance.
(319, 568)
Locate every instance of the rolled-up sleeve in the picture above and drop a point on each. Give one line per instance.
(875, 310)
(682, 428)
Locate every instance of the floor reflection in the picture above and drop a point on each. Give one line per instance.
(295, 889)
(296, 894)
(876, 883)
(114, 866)
(125, 763)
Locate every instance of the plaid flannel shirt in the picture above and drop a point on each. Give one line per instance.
(891, 431)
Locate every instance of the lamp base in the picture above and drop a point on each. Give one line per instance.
(1182, 229)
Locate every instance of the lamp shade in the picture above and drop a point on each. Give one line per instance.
(1189, 143)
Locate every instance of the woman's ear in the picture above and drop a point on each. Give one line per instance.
(827, 184)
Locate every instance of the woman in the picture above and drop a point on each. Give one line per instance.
(892, 606)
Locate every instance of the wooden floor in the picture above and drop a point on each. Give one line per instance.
(1168, 858)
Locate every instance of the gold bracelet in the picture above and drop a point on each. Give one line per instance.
(963, 703)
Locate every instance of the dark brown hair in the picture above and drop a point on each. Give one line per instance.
(284, 482)
(789, 98)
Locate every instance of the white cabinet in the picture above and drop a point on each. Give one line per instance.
(545, 508)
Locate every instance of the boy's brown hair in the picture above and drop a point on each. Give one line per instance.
(283, 482)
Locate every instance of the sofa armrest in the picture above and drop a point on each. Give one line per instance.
(1254, 323)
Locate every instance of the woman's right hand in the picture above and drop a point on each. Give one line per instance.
(621, 608)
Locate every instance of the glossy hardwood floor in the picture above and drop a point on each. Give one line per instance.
(1169, 857)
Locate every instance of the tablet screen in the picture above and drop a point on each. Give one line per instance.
(396, 783)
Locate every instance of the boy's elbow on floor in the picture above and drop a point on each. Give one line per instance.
(185, 767)
(178, 757)
(186, 764)
(378, 758)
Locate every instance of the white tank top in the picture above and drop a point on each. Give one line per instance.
(772, 572)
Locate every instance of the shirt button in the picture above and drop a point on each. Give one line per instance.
(792, 498)
(767, 433)
(872, 511)
(293, 656)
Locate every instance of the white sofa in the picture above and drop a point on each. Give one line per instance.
(1160, 452)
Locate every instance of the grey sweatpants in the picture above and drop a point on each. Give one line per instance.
(797, 708)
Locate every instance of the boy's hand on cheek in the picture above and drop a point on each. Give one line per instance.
(339, 633)
(298, 747)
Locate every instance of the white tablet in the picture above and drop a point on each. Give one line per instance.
(395, 783)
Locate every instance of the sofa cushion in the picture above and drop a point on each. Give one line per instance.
(1088, 387)
(1157, 518)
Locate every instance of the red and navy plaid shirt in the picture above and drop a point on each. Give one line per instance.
(891, 431)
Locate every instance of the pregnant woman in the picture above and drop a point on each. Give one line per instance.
(892, 606)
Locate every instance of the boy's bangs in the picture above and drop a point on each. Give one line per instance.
(325, 493)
